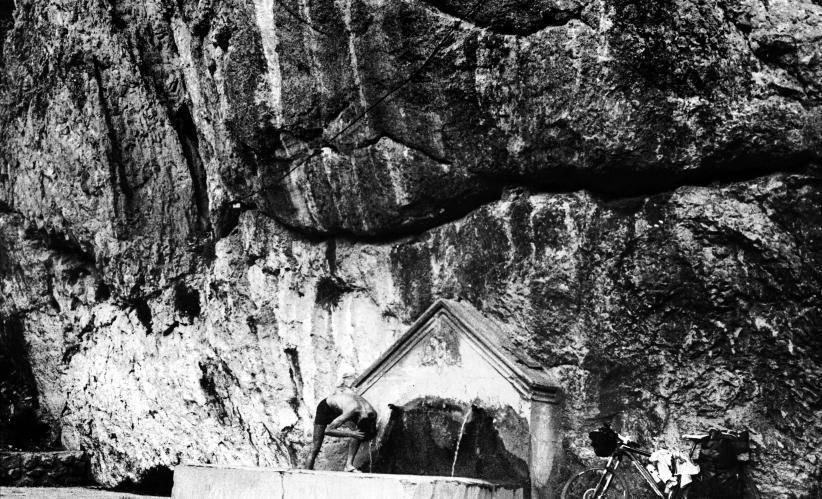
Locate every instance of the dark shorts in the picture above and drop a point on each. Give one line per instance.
(325, 414)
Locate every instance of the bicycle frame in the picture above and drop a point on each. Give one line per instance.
(624, 451)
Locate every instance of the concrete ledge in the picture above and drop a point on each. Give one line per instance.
(219, 482)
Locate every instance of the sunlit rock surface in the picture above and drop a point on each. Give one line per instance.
(635, 186)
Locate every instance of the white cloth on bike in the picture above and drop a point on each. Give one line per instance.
(685, 468)
(662, 458)
(674, 468)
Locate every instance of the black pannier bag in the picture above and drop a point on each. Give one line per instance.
(604, 441)
(722, 460)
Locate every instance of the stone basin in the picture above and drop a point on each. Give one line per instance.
(222, 482)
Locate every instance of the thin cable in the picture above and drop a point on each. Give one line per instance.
(367, 110)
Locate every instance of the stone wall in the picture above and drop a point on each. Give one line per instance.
(637, 188)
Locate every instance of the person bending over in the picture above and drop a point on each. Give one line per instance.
(336, 410)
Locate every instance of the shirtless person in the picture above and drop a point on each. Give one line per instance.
(342, 407)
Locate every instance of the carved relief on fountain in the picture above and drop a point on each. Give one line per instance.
(442, 346)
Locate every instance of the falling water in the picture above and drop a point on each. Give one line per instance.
(370, 458)
(459, 440)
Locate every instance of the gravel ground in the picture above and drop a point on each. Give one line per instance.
(65, 492)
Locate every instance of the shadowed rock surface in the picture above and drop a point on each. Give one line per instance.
(636, 187)
(61, 468)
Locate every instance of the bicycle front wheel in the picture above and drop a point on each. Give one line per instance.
(583, 486)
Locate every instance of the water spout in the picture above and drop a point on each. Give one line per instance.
(459, 439)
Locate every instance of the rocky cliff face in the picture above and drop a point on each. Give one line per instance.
(203, 231)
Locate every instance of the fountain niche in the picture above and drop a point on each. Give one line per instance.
(433, 436)
(454, 398)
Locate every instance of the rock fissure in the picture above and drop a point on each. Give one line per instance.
(295, 373)
(117, 170)
(459, 208)
(190, 143)
(493, 17)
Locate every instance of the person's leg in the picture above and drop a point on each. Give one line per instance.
(353, 447)
(319, 435)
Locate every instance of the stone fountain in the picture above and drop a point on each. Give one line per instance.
(455, 398)
(460, 414)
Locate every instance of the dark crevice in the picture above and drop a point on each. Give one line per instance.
(6, 22)
(208, 382)
(331, 255)
(612, 182)
(143, 312)
(117, 169)
(190, 142)
(102, 292)
(294, 372)
(446, 210)
(187, 301)
(228, 217)
(222, 37)
(7, 209)
(119, 18)
(138, 295)
(21, 427)
(170, 329)
(6, 260)
(62, 244)
(330, 290)
(605, 185)
(70, 352)
(156, 481)
(510, 18)
(73, 348)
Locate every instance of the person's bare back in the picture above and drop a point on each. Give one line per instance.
(336, 410)
(349, 402)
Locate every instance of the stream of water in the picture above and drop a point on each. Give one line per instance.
(459, 440)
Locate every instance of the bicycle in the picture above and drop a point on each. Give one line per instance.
(605, 483)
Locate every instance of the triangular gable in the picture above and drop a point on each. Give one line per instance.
(492, 340)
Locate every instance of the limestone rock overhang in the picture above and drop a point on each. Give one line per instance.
(493, 340)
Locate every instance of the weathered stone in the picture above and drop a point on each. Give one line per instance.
(663, 314)
(611, 96)
(177, 301)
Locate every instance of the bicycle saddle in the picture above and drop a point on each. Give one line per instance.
(695, 436)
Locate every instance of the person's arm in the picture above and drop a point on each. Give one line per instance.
(333, 429)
